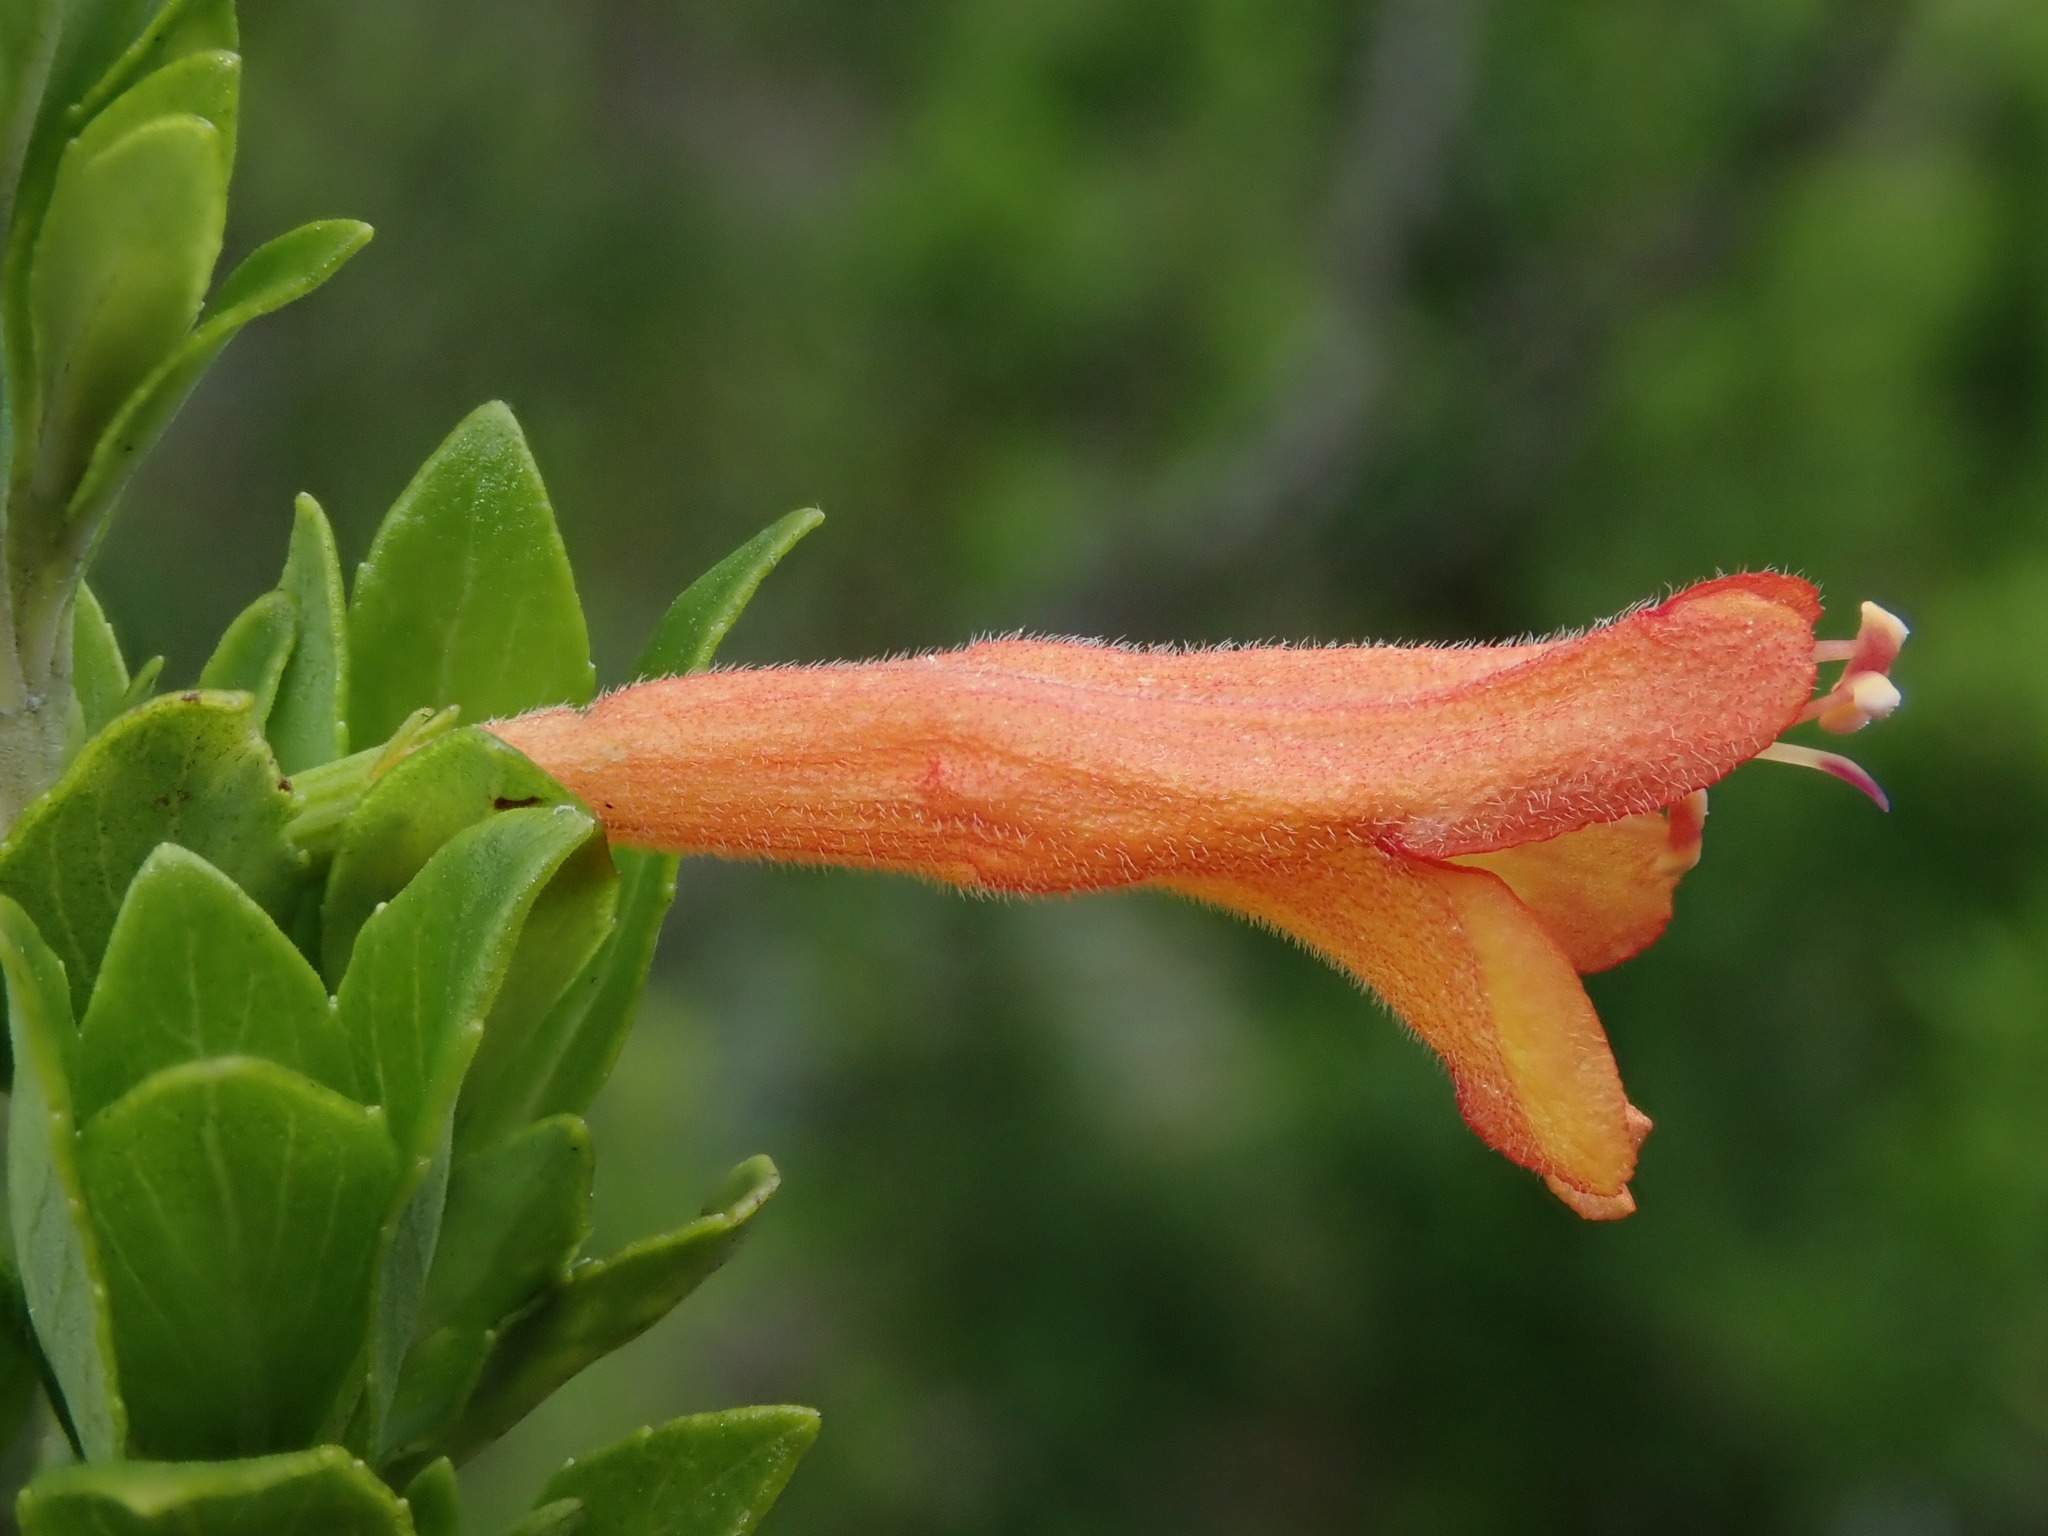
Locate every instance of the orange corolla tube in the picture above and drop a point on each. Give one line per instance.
(1465, 830)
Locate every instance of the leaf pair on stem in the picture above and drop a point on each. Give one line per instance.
(297, 1155)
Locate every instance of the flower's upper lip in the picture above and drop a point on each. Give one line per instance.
(1109, 771)
(1389, 742)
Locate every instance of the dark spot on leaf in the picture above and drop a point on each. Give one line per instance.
(515, 805)
(192, 697)
(285, 785)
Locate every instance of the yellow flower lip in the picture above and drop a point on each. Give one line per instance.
(1464, 830)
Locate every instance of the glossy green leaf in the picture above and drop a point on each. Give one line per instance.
(253, 651)
(180, 27)
(126, 252)
(714, 1474)
(564, 1517)
(237, 1206)
(321, 1492)
(690, 632)
(440, 1372)
(283, 270)
(590, 1022)
(103, 49)
(605, 1304)
(306, 725)
(517, 1215)
(54, 1242)
(595, 1016)
(20, 1364)
(203, 85)
(98, 670)
(424, 973)
(91, 41)
(522, 1048)
(29, 31)
(467, 597)
(142, 686)
(435, 1499)
(451, 783)
(274, 275)
(191, 769)
(195, 969)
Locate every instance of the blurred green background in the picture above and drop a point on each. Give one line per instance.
(1195, 319)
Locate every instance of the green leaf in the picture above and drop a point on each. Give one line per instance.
(467, 597)
(285, 269)
(595, 1015)
(97, 668)
(274, 275)
(54, 1242)
(29, 31)
(252, 653)
(98, 54)
(425, 971)
(441, 1370)
(191, 769)
(180, 28)
(689, 634)
(564, 1517)
(456, 781)
(306, 725)
(195, 969)
(20, 1368)
(517, 1215)
(590, 1023)
(321, 1492)
(142, 686)
(237, 1206)
(203, 85)
(715, 1474)
(606, 1304)
(435, 1499)
(123, 262)
(522, 1047)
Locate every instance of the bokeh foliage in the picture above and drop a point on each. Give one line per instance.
(1299, 318)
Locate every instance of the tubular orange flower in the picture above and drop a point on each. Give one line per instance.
(1463, 830)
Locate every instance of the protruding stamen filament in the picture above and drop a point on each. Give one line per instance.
(1865, 692)
(1827, 762)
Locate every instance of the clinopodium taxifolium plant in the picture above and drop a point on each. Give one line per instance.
(312, 969)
